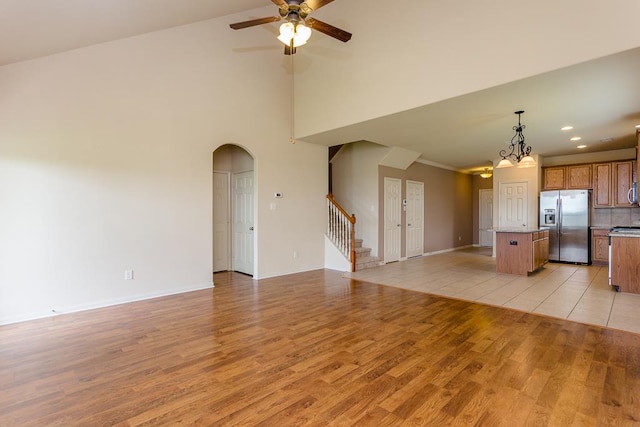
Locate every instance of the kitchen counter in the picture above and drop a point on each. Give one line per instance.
(632, 232)
(521, 251)
(520, 230)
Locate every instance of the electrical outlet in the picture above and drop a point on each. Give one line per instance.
(128, 275)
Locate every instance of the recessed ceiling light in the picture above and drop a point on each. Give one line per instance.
(571, 127)
(581, 146)
(576, 138)
(637, 126)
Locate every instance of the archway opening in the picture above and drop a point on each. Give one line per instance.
(233, 210)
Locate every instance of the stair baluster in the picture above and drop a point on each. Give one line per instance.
(341, 229)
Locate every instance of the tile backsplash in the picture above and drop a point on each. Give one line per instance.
(609, 217)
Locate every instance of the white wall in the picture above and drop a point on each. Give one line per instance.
(445, 49)
(514, 174)
(105, 165)
(355, 187)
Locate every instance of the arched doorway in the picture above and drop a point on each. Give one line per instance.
(233, 210)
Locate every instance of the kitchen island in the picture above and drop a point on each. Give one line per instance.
(624, 259)
(521, 251)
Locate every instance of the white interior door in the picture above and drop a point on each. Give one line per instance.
(415, 219)
(485, 222)
(243, 222)
(221, 221)
(392, 219)
(514, 205)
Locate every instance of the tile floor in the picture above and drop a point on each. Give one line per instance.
(573, 292)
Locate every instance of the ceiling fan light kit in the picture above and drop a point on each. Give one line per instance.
(297, 28)
(519, 152)
(299, 33)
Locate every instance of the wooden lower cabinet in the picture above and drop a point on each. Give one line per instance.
(600, 246)
(625, 263)
(521, 252)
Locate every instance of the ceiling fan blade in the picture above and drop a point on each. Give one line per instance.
(315, 4)
(329, 30)
(251, 23)
(279, 3)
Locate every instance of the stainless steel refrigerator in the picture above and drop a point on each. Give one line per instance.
(566, 213)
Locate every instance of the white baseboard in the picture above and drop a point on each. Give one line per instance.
(447, 250)
(100, 304)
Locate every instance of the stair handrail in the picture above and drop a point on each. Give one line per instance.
(341, 229)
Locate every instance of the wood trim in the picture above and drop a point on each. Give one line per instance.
(351, 218)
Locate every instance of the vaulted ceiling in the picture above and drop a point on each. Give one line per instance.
(600, 98)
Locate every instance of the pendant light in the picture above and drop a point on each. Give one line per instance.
(486, 174)
(519, 152)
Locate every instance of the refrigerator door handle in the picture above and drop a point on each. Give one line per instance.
(559, 206)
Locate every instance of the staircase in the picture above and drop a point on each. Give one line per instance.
(364, 258)
(341, 230)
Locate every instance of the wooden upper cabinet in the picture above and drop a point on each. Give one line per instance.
(567, 177)
(554, 178)
(579, 177)
(622, 174)
(602, 197)
(611, 183)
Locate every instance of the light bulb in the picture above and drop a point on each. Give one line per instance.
(303, 32)
(286, 33)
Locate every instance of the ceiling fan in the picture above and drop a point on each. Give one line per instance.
(297, 28)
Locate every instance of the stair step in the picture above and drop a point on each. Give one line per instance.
(367, 262)
(358, 243)
(362, 251)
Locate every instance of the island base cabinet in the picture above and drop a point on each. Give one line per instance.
(625, 264)
(521, 253)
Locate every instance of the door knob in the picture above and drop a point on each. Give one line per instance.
(250, 228)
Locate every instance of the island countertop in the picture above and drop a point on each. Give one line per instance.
(520, 230)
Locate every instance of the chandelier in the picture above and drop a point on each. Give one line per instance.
(518, 152)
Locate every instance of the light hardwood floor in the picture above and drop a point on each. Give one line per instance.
(315, 349)
(567, 291)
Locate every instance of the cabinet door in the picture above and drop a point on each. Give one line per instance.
(579, 176)
(600, 247)
(554, 178)
(622, 179)
(624, 265)
(540, 253)
(602, 197)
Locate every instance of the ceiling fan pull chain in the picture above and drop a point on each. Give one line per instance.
(293, 96)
